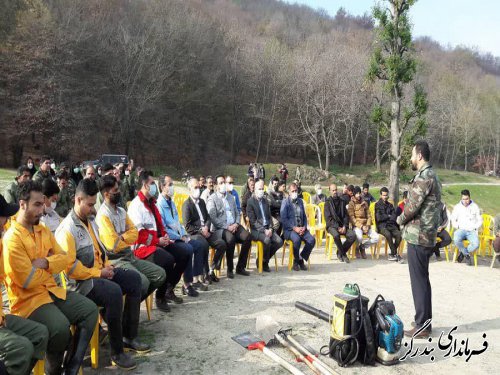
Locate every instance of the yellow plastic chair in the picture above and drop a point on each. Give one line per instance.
(39, 368)
(330, 243)
(179, 199)
(306, 197)
(487, 235)
(312, 213)
(260, 256)
(289, 243)
(375, 248)
(212, 254)
(493, 260)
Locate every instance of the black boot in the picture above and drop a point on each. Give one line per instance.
(82, 340)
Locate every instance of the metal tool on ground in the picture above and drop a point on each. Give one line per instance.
(251, 342)
(310, 356)
(266, 325)
(296, 353)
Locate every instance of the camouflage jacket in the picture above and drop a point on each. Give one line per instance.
(64, 202)
(71, 189)
(11, 193)
(422, 214)
(39, 176)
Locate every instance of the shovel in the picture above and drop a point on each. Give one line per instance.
(251, 342)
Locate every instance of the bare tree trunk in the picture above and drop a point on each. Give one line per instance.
(352, 155)
(465, 156)
(377, 156)
(395, 152)
(259, 139)
(365, 152)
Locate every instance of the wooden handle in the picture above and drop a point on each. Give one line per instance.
(276, 358)
(296, 353)
(320, 365)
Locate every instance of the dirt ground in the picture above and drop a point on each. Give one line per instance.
(195, 338)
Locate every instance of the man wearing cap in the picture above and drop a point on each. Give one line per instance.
(12, 191)
(22, 341)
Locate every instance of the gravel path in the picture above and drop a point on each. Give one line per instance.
(195, 338)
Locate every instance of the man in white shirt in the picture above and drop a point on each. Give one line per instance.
(466, 219)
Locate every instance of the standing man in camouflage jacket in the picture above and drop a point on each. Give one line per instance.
(421, 218)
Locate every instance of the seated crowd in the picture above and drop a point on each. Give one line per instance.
(83, 244)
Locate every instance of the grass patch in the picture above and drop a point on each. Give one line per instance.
(487, 197)
(6, 177)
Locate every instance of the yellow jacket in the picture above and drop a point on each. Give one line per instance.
(83, 249)
(2, 279)
(116, 231)
(28, 287)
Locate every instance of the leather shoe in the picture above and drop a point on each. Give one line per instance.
(340, 257)
(421, 335)
(207, 279)
(123, 361)
(265, 267)
(200, 286)
(302, 265)
(346, 258)
(135, 345)
(429, 328)
(460, 258)
(170, 296)
(469, 260)
(212, 277)
(363, 252)
(189, 291)
(230, 274)
(296, 267)
(162, 304)
(242, 271)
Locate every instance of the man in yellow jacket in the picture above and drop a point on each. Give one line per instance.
(118, 234)
(31, 258)
(22, 341)
(98, 280)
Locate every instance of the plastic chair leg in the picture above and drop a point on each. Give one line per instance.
(149, 305)
(39, 368)
(94, 347)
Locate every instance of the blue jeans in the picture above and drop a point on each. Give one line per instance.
(470, 235)
(200, 253)
(308, 247)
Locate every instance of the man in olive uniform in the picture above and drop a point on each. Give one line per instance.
(64, 200)
(71, 183)
(45, 169)
(421, 218)
(12, 191)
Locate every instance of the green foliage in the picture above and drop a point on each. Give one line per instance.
(391, 60)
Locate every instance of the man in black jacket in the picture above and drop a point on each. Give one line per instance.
(337, 223)
(197, 223)
(259, 215)
(385, 218)
(275, 198)
(442, 233)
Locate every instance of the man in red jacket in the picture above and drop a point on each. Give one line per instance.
(153, 243)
